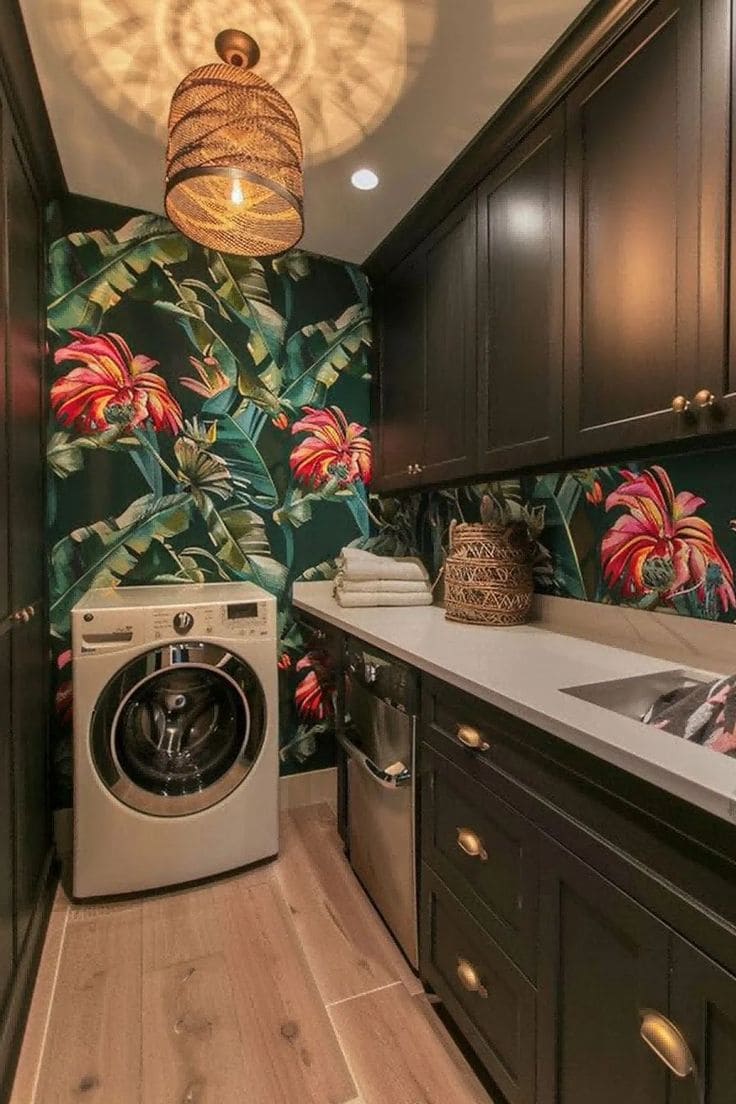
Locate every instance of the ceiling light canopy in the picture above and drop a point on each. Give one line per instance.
(234, 158)
(364, 179)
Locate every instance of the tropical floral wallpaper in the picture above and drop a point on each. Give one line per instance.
(657, 536)
(208, 421)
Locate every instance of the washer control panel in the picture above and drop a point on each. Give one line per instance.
(236, 621)
(110, 630)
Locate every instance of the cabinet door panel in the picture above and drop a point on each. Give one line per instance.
(450, 404)
(633, 279)
(25, 383)
(6, 824)
(603, 958)
(497, 1021)
(30, 765)
(704, 1008)
(520, 294)
(401, 312)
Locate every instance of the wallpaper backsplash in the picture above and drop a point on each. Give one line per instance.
(207, 422)
(655, 535)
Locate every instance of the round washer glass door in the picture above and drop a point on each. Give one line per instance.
(178, 729)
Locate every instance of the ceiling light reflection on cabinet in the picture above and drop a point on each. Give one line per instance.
(526, 217)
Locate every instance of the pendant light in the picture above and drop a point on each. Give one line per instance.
(234, 157)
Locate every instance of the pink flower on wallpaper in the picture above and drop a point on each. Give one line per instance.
(335, 449)
(111, 387)
(595, 494)
(659, 545)
(313, 694)
(212, 380)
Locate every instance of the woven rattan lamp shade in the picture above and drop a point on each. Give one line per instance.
(234, 163)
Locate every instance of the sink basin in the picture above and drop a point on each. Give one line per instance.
(631, 697)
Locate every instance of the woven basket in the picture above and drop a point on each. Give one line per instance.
(488, 575)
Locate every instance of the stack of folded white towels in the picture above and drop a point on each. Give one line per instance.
(364, 579)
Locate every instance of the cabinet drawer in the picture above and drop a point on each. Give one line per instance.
(489, 998)
(469, 732)
(485, 851)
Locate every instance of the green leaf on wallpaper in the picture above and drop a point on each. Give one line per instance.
(238, 279)
(245, 300)
(203, 333)
(560, 499)
(90, 272)
(360, 283)
(327, 569)
(248, 470)
(355, 498)
(102, 554)
(240, 540)
(65, 451)
(294, 264)
(264, 346)
(159, 564)
(296, 508)
(318, 354)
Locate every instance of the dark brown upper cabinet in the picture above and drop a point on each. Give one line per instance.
(645, 229)
(427, 395)
(520, 303)
(400, 314)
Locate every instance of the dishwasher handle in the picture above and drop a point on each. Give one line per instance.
(382, 777)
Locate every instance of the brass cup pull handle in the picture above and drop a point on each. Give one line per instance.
(704, 398)
(681, 405)
(469, 978)
(667, 1042)
(471, 843)
(471, 738)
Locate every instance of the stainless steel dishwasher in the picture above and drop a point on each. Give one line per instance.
(378, 736)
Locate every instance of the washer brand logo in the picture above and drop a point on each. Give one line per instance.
(183, 622)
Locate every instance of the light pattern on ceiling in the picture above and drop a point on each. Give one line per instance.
(342, 64)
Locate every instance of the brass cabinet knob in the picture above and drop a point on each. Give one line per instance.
(471, 843)
(704, 398)
(469, 978)
(680, 404)
(410, 469)
(667, 1042)
(23, 616)
(471, 738)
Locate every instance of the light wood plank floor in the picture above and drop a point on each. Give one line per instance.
(279, 985)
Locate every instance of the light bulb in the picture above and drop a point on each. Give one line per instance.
(237, 195)
(364, 179)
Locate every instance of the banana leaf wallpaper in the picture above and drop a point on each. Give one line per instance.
(654, 536)
(208, 421)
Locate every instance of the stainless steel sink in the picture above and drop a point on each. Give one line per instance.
(632, 697)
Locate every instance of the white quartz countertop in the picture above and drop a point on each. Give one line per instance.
(523, 670)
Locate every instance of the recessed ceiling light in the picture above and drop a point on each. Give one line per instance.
(364, 179)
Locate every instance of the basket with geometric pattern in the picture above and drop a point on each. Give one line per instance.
(488, 575)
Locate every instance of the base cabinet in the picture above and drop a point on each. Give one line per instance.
(703, 1005)
(603, 959)
(488, 996)
(543, 893)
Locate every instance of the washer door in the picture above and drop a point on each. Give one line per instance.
(178, 729)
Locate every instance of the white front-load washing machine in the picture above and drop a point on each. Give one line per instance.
(175, 734)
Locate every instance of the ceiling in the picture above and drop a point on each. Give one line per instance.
(399, 86)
